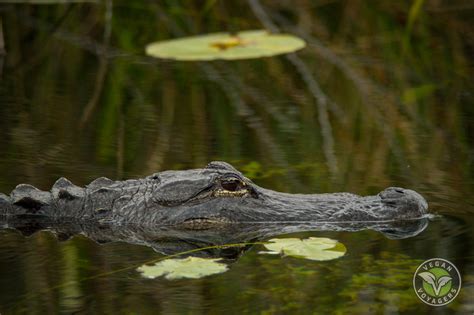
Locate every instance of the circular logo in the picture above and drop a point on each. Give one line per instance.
(437, 282)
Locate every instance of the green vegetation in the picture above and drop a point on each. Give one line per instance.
(312, 248)
(178, 268)
(242, 45)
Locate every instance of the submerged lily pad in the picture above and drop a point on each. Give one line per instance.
(313, 248)
(190, 267)
(243, 45)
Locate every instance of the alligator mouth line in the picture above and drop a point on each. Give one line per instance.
(204, 223)
(226, 193)
(203, 194)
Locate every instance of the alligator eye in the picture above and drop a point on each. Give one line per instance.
(231, 184)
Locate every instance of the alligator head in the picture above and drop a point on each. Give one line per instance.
(219, 194)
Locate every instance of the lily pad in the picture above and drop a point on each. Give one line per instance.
(190, 267)
(243, 45)
(313, 248)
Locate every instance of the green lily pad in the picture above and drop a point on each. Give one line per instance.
(190, 267)
(313, 248)
(243, 45)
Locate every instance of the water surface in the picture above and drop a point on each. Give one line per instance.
(80, 99)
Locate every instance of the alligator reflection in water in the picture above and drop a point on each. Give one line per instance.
(170, 240)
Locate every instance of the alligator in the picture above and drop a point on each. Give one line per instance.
(210, 197)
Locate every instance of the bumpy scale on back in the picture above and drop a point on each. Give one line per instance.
(215, 195)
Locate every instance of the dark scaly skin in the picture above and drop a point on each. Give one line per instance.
(203, 198)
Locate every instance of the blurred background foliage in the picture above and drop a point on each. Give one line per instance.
(395, 77)
(381, 96)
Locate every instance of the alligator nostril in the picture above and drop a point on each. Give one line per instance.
(155, 177)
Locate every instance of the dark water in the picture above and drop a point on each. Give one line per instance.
(78, 98)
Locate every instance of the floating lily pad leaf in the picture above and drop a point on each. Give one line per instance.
(190, 267)
(243, 45)
(313, 248)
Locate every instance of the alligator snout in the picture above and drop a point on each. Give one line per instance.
(407, 202)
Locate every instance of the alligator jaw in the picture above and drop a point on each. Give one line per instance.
(204, 223)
